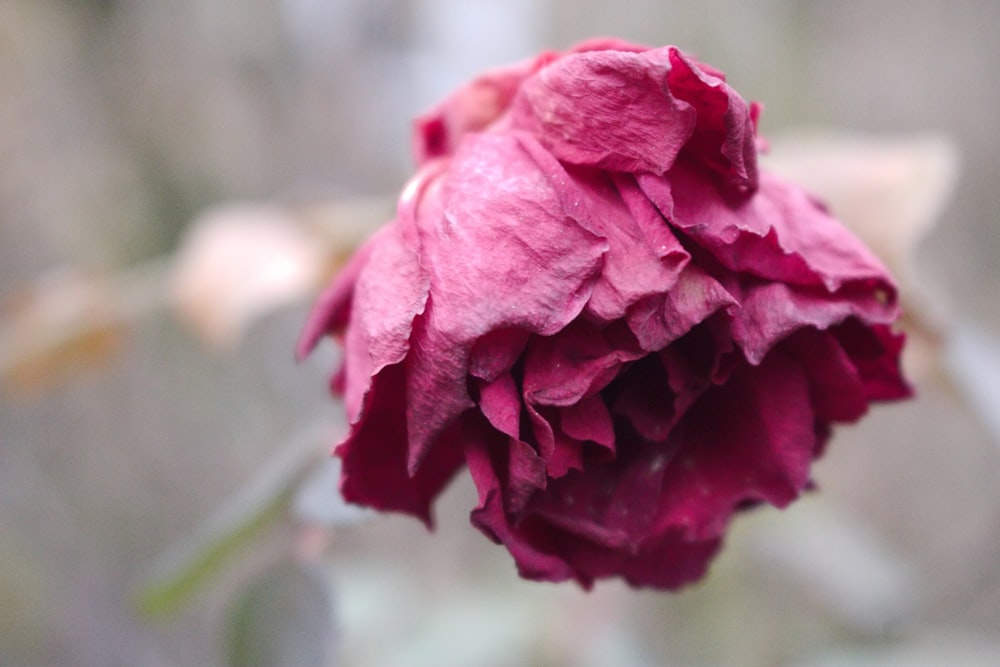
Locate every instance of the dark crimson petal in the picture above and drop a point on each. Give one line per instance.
(501, 254)
(643, 396)
(577, 362)
(500, 403)
(835, 388)
(588, 420)
(779, 234)
(664, 561)
(612, 504)
(724, 136)
(525, 475)
(490, 517)
(701, 358)
(496, 352)
(606, 109)
(772, 311)
(560, 452)
(749, 439)
(374, 455)
(875, 352)
(658, 321)
(669, 562)
(599, 521)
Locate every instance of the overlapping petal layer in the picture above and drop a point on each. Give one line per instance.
(592, 299)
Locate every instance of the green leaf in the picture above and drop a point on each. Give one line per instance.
(284, 618)
(192, 565)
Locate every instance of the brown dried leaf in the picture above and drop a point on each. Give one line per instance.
(67, 321)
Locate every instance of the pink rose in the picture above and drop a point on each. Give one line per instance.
(592, 299)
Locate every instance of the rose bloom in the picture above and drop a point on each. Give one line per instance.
(592, 298)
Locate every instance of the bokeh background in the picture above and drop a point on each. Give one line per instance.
(153, 422)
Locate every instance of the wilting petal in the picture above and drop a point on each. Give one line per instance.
(494, 226)
(724, 136)
(490, 517)
(835, 387)
(496, 352)
(701, 358)
(472, 108)
(588, 420)
(374, 455)
(607, 109)
(658, 321)
(664, 561)
(634, 267)
(577, 362)
(500, 403)
(875, 353)
(560, 452)
(628, 331)
(779, 234)
(772, 311)
(643, 396)
(390, 292)
(669, 562)
(613, 504)
(332, 309)
(750, 439)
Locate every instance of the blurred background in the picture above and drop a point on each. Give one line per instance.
(177, 179)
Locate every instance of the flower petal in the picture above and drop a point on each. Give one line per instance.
(577, 362)
(875, 352)
(779, 234)
(374, 454)
(607, 109)
(494, 226)
(332, 309)
(749, 439)
(659, 320)
(483, 456)
(772, 311)
(724, 136)
(472, 108)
